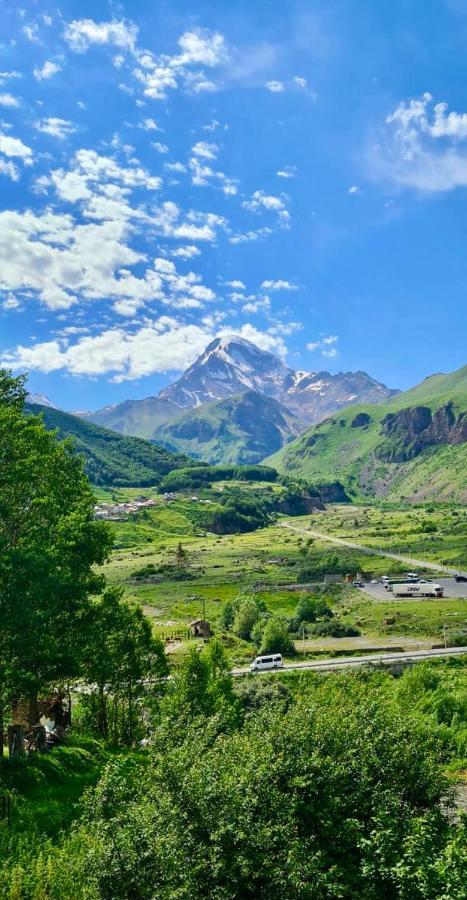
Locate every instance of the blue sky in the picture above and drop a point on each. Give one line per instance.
(172, 171)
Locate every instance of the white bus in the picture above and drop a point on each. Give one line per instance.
(262, 663)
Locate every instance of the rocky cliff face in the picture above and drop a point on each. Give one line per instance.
(409, 431)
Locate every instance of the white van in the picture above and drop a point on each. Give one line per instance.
(261, 663)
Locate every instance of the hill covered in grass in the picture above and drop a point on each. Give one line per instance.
(412, 448)
(241, 429)
(111, 459)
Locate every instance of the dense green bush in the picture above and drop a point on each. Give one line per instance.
(275, 637)
(336, 794)
(334, 629)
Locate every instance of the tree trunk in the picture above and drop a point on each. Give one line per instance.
(33, 710)
(102, 723)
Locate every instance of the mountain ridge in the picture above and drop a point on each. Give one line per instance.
(410, 448)
(111, 459)
(230, 366)
(237, 430)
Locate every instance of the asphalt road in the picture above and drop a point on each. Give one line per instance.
(372, 551)
(452, 589)
(354, 662)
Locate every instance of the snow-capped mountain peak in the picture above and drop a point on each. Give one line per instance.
(40, 400)
(231, 365)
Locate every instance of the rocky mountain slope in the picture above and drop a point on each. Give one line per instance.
(110, 458)
(237, 430)
(232, 366)
(412, 448)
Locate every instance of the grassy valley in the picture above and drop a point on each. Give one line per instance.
(198, 782)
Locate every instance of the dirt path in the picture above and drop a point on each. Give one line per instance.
(371, 551)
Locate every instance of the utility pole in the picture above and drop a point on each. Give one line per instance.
(303, 630)
(444, 635)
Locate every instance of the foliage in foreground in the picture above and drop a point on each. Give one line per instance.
(336, 792)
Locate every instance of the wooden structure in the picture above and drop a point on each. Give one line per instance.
(201, 628)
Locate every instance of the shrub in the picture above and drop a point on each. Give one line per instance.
(276, 638)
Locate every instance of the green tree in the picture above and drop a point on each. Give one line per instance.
(122, 662)
(201, 686)
(246, 618)
(227, 616)
(276, 638)
(308, 609)
(181, 556)
(49, 544)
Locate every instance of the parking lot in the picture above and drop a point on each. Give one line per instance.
(452, 589)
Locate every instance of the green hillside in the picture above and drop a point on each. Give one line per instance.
(411, 448)
(110, 458)
(240, 430)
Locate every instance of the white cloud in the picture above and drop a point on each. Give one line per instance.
(253, 235)
(354, 189)
(161, 345)
(202, 46)
(276, 87)
(188, 251)
(287, 172)
(11, 302)
(213, 125)
(158, 75)
(10, 146)
(423, 147)
(236, 285)
(256, 305)
(149, 125)
(7, 99)
(55, 127)
(31, 31)
(5, 77)
(175, 167)
(202, 175)
(205, 150)
(260, 200)
(164, 345)
(279, 285)
(90, 172)
(82, 33)
(57, 260)
(9, 169)
(161, 148)
(302, 85)
(325, 346)
(46, 71)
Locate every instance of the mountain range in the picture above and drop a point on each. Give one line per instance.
(411, 448)
(235, 405)
(237, 402)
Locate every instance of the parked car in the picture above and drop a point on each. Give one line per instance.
(460, 577)
(357, 584)
(262, 663)
(374, 581)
